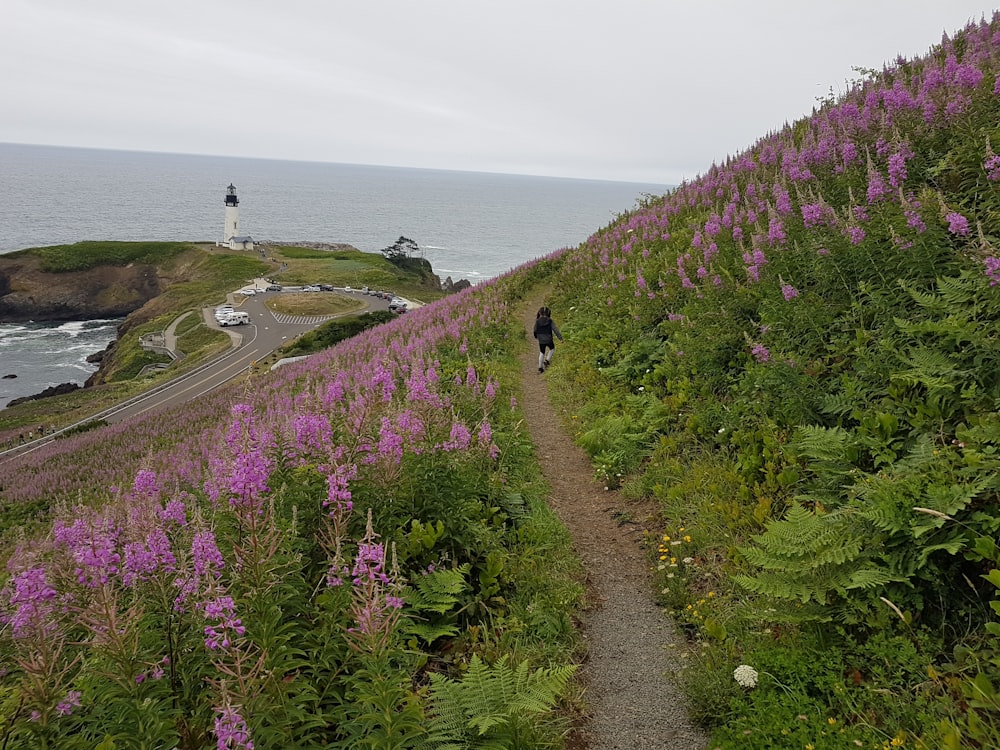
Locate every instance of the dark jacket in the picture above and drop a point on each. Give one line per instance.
(544, 328)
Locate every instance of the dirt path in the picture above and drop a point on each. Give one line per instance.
(632, 646)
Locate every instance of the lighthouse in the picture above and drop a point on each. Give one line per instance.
(231, 236)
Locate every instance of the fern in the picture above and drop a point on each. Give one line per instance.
(812, 557)
(435, 598)
(821, 443)
(491, 705)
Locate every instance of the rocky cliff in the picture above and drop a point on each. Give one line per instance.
(29, 293)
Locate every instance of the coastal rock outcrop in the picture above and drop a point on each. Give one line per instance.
(56, 390)
(29, 293)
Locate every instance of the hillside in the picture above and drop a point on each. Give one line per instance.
(793, 358)
(796, 356)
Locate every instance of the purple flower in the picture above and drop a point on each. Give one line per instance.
(789, 292)
(897, 169)
(761, 353)
(32, 601)
(459, 439)
(812, 214)
(856, 234)
(957, 224)
(93, 546)
(390, 444)
(145, 483)
(968, 76)
(992, 167)
(912, 214)
(66, 705)
(775, 231)
(368, 564)
(992, 265)
(142, 559)
(877, 189)
(338, 493)
(205, 554)
(175, 511)
(231, 731)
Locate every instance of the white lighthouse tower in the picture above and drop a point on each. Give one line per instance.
(231, 236)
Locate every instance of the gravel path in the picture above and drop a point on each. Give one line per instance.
(632, 647)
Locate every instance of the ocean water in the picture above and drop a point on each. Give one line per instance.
(44, 355)
(469, 225)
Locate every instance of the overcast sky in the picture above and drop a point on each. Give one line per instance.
(637, 90)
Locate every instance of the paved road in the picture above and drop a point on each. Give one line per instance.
(265, 333)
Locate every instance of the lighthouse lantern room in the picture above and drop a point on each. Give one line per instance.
(231, 236)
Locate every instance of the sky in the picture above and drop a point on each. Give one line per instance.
(649, 91)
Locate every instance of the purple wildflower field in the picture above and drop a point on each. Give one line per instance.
(211, 570)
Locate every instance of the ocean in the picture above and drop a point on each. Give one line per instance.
(469, 225)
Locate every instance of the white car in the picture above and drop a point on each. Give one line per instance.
(235, 319)
(248, 292)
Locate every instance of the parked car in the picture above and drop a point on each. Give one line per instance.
(348, 289)
(274, 287)
(325, 287)
(235, 319)
(311, 288)
(248, 291)
(397, 305)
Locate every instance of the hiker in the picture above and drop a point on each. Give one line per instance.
(545, 327)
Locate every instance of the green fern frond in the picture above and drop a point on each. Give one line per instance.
(438, 592)
(480, 710)
(838, 404)
(820, 443)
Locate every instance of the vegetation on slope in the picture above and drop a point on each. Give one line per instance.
(797, 355)
(351, 551)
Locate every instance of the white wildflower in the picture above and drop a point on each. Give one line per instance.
(745, 675)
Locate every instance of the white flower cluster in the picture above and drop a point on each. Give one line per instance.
(745, 675)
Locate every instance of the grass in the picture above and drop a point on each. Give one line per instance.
(82, 256)
(313, 303)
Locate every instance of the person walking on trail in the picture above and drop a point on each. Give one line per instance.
(545, 329)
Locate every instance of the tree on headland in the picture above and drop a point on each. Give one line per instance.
(400, 250)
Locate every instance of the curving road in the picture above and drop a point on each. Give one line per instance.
(265, 333)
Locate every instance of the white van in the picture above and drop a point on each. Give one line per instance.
(235, 319)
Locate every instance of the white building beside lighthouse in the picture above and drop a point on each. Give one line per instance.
(231, 236)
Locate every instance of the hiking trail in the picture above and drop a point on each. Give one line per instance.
(632, 647)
